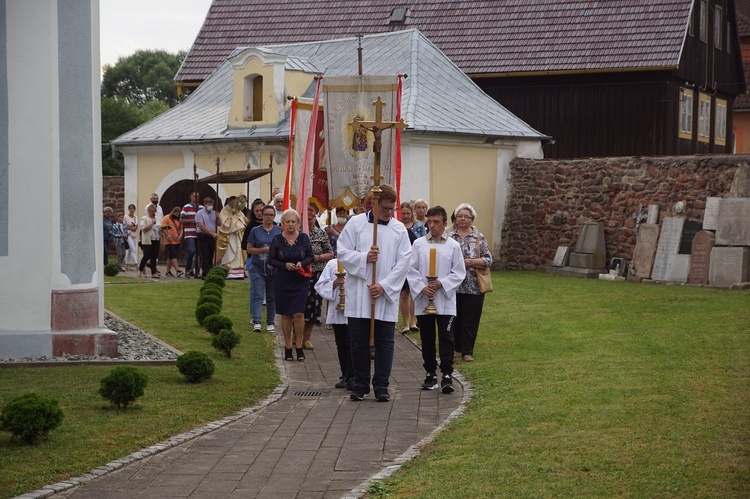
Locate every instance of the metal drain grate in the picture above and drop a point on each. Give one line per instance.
(310, 393)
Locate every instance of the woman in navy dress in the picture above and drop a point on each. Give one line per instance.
(291, 253)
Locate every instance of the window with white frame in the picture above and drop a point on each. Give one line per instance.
(703, 32)
(718, 23)
(686, 113)
(704, 117)
(720, 135)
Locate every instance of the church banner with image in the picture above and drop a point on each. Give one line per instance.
(317, 181)
(349, 155)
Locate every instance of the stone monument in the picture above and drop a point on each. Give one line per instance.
(700, 257)
(728, 266)
(51, 300)
(669, 245)
(733, 227)
(645, 250)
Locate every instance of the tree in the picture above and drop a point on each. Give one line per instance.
(136, 89)
(146, 75)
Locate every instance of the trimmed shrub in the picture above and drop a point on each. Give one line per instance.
(223, 271)
(195, 366)
(216, 322)
(216, 279)
(30, 417)
(204, 310)
(123, 385)
(210, 298)
(111, 270)
(225, 341)
(211, 288)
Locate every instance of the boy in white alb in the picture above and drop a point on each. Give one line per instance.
(436, 255)
(329, 288)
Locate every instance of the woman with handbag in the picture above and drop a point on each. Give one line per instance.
(150, 239)
(470, 296)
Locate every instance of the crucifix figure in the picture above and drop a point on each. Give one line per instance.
(639, 217)
(376, 127)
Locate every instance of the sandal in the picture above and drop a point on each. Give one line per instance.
(180, 273)
(406, 331)
(301, 354)
(288, 354)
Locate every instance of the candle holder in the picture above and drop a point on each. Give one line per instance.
(342, 294)
(430, 308)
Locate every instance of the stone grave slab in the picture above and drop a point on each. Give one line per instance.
(669, 245)
(653, 214)
(741, 183)
(645, 250)
(734, 222)
(728, 266)
(689, 230)
(680, 269)
(561, 256)
(700, 256)
(711, 214)
(590, 251)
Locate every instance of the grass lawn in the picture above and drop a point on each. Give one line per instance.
(582, 388)
(93, 433)
(589, 388)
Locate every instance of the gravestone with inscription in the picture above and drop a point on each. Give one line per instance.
(689, 230)
(733, 228)
(669, 245)
(741, 183)
(645, 250)
(561, 256)
(728, 266)
(590, 252)
(680, 270)
(711, 214)
(700, 256)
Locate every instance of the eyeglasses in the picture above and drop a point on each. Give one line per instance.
(269, 214)
(388, 208)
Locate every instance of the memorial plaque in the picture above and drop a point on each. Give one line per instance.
(728, 266)
(734, 222)
(653, 214)
(711, 214)
(669, 244)
(689, 230)
(561, 257)
(645, 249)
(741, 183)
(680, 269)
(700, 256)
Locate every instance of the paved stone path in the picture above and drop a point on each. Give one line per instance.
(311, 443)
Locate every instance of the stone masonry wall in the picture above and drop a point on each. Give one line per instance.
(113, 193)
(549, 200)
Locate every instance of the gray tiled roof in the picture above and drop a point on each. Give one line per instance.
(480, 36)
(437, 96)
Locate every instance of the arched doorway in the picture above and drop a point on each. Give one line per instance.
(178, 194)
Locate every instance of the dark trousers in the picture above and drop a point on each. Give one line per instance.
(359, 341)
(207, 246)
(150, 254)
(191, 264)
(341, 333)
(106, 251)
(444, 325)
(468, 314)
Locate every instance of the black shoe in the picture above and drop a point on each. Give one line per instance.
(300, 354)
(430, 382)
(446, 384)
(191, 274)
(357, 394)
(351, 385)
(343, 383)
(382, 395)
(288, 354)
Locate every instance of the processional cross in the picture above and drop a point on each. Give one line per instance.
(376, 127)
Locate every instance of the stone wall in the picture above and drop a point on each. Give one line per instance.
(113, 193)
(549, 200)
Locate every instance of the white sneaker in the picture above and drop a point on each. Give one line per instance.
(270, 328)
(256, 328)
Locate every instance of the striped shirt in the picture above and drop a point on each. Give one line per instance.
(187, 216)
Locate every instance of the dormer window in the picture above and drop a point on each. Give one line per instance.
(398, 15)
(253, 98)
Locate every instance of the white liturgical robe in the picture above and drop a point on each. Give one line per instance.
(450, 271)
(325, 288)
(393, 262)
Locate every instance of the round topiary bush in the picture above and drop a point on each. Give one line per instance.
(30, 417)
(225, 341)
(111, 270)
(222, 271)
(216, 322)
(210, 298)
(195, 366)
(123, 385)
(204, 310)
(215, 279)
(211, 288)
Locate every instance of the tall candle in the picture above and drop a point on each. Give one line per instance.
(341, 267)
(433, 252)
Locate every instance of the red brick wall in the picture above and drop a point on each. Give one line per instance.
(113, 193)
(549, 200)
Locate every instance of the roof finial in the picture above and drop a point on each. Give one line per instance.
(359, 52)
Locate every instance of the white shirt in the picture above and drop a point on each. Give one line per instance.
(393, 262)
(450, 271)
(325, 288)
(159, 212)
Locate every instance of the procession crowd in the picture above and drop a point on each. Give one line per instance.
(428, 266)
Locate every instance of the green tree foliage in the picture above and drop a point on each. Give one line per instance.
(123, 385)
(134, 90)
(30, 417)
(144, 76)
